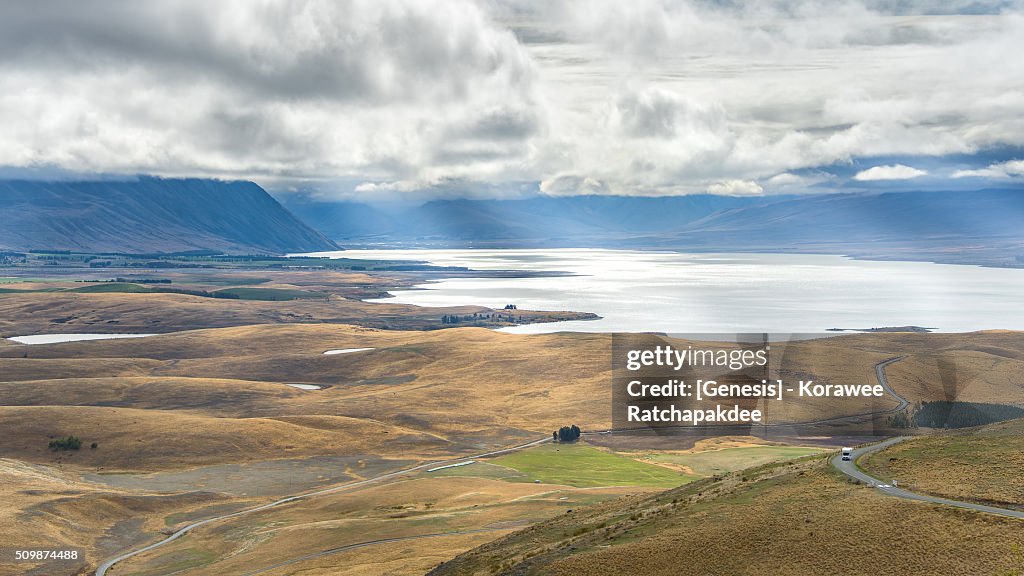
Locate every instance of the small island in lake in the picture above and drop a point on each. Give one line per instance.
(919, 329)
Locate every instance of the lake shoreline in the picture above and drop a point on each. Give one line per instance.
(853, 255)
(718, 292)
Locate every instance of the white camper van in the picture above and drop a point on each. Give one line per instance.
(847, 453)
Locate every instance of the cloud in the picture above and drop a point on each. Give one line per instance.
(571, 185)
(1010, 169)
(789, 183)
(310, 89)
(736, 188)
(889, 172)
(573, 96)
(656, 112)
(377, 52)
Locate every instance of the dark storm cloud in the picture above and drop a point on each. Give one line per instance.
(280, 88)
(336, 51)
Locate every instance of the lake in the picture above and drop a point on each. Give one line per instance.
(638, 291)
(59, 338)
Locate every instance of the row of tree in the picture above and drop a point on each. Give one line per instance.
(953, 414)
(475, 317)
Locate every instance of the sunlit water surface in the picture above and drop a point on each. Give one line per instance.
(697, 293)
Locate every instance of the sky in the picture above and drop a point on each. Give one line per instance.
(414, 98)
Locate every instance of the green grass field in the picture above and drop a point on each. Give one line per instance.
(481, 470)
(273, 294)
(105, 287)
(586, 467)
(715, 462)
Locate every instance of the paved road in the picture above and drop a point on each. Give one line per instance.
(103, 568)
(846, 467)
(884, 381)
(850, 469)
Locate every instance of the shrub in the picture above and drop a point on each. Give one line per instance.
(66, 443)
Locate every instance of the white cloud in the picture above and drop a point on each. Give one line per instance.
(582, 96)
(889, 172)
(393, 90)
(656, 112)
(736, 188)
(569, 185)
(789, 183)
(1008, 169)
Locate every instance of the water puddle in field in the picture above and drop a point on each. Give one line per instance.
(60, 338)
(346, 351)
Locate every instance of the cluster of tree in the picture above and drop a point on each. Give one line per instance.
(901, 420)
(566, 434)
(166, 264)
(510, 307)
(12, 258)
(66, 443)
(955, 414)
(143, 280)
(455, 318)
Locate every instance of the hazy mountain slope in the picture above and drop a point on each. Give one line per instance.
(914, 216)
(150, 215)
(539, 221)
(978, 227)
(971, 227)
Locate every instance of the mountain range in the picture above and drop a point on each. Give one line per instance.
(979, 227)
(149, 214)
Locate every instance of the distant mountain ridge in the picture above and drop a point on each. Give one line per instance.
(150, 214)
(541, 221)
(979, 227)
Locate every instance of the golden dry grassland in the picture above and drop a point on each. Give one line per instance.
(981, 464)
(186, 402)
(796, 518)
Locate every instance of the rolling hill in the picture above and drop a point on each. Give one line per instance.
(149, 215)
(980, 464)
(794, 517)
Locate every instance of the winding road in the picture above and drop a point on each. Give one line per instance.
(847, 467)
(850, 468)
(104, 567)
